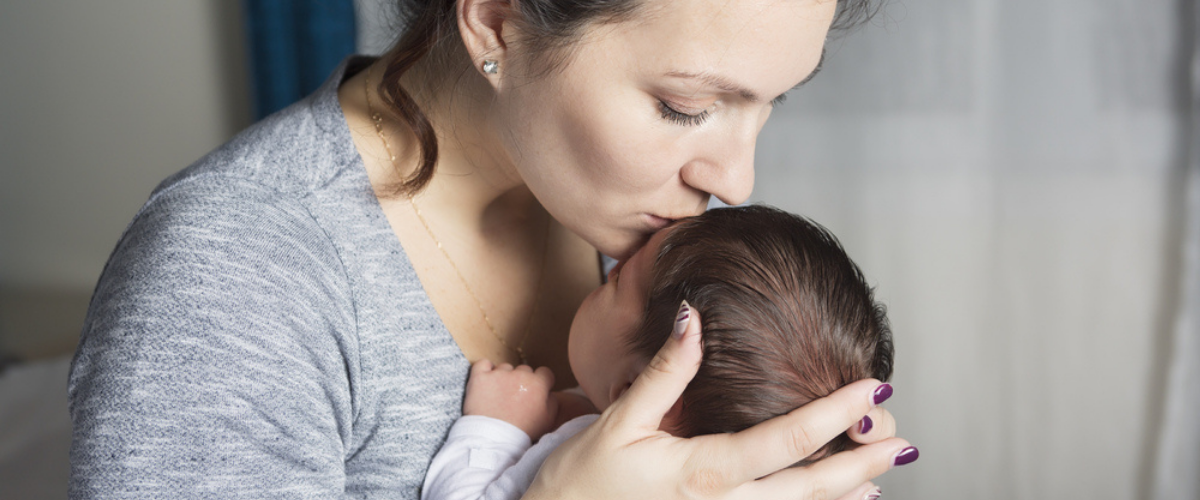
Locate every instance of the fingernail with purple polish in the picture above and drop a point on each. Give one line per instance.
(874, 494)
(681, 321)
(881, 394)
(906, 456)
(865, 425)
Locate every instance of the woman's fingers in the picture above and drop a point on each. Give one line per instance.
(876, 426)
(665, 378)
(835, 476)
(866, 491)
(786, 439)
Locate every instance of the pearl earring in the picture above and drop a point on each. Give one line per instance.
(491, 67)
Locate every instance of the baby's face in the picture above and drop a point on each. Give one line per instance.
(598, 350)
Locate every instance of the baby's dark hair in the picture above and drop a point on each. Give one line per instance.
(787, 317)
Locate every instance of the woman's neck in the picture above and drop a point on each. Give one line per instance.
(477, 225)
(475, 187)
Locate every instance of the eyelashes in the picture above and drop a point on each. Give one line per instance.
(680, 118)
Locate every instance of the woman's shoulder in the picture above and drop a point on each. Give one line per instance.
(217, 209)
(299, 149)
(224, 239)
(272, 183)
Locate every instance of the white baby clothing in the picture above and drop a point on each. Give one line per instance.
(488, 458)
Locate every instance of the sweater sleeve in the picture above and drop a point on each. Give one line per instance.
(216, 359)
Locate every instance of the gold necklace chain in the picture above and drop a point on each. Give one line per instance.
(377, 120)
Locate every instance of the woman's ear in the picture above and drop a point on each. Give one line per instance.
(482, 25)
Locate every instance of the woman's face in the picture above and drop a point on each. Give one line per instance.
(649, 117)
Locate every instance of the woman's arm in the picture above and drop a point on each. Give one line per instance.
(624, 455)
(215, 361)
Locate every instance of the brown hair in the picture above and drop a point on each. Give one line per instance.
(547, 27)
(788, 317)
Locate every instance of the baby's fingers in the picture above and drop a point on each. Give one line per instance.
(876, 426)
(546, 375)
(482, 366)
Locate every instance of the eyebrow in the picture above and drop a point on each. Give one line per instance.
(730, 86)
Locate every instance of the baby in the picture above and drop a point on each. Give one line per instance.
(787, 318)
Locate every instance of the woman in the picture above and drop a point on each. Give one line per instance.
(295, 314)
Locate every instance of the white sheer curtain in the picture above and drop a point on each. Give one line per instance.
(1010, 173)
(1178, 460)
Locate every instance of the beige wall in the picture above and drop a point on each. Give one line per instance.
(99, 101)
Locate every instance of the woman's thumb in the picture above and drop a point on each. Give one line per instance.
(666, 376)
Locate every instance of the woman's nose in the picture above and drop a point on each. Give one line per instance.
(725, 168)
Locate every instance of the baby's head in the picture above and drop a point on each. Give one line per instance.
(787, 318)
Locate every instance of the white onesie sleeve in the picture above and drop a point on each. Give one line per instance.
(487, 458)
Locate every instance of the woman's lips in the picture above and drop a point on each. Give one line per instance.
(656, 223)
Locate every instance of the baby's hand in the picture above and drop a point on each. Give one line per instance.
(519, 396)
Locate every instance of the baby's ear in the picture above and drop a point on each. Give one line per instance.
(630, 377)
(674, 417)
(617, 392)
(670, 421)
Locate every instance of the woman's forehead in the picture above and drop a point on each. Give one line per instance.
(761, 46)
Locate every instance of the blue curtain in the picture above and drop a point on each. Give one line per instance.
(294, 45)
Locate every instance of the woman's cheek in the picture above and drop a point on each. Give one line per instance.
(623, 144)
(640, 162)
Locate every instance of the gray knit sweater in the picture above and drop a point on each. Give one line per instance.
(259, 333)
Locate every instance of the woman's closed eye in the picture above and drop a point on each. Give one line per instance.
(677, 117)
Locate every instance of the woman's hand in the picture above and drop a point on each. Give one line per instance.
(624, 455)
